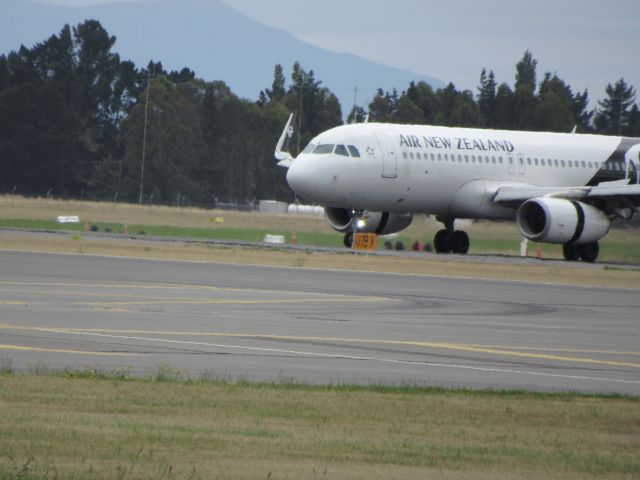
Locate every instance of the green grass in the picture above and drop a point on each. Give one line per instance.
(238, 234)
(612, 248)
(81, 424)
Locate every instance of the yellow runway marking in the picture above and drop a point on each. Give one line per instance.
(22, 348)
(225, 301)
(180, 287)
(309, 297)
(502, 351)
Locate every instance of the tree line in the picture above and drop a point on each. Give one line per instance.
(78, 121)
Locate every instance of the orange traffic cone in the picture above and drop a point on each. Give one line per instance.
(538, 251)
(294, 240)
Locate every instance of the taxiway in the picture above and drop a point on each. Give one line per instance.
(314, 326)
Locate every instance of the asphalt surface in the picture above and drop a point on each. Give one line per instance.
(314, 326)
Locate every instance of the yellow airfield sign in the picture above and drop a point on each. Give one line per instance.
(365, 241)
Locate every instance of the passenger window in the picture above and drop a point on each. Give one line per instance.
(353, 150)
(404, 155)
(341, 150)
(324, 149)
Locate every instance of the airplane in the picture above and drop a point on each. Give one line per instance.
(562, 188)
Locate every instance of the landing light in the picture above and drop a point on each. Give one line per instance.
(361, 224)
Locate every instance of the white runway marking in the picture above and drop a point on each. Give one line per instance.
(360, 358)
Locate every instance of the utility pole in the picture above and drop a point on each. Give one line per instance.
(144, 135)
(355, 95)
(299, 119)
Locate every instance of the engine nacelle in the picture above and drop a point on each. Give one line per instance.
(556, 220)
(381, 223)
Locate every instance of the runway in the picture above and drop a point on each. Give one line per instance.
(314, 326)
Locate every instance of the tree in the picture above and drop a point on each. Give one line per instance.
(633, 128)
(612, 115)
(383, 106)
(407, 111)
(423, 96)
(487, 98)
(174, 146)
(503, 116)
(581, 115)
(524, 100)
(554, 106)
(356, 115)
(278, 90)
(455, 108)
(317, 109)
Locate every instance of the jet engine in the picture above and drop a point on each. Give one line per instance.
(383, 223)
(557, 220)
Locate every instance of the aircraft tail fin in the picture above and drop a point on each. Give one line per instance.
(284, 158)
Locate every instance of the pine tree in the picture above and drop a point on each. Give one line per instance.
(487, 98)
(524, 100)
(612, 116)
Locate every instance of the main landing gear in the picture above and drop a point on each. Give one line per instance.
(587, 252)
(449, 240)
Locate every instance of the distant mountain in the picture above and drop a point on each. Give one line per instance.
(209, 37)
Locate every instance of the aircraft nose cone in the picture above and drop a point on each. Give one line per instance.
(302, 176)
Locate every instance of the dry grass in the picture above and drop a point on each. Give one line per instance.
(415, 265)
(42, 209)
(19, 207)
(82, 428)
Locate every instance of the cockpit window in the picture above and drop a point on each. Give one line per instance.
(324, 148)
(354, 151)
(309, 148)
(341, 150)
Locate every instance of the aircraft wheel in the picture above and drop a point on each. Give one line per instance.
(589, 252)
(459, 241)
(571, 252)
(441, 242)
(348, 239)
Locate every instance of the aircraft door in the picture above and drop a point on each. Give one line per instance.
(389, 158)
(516, 164)
(521, 164)
(511, 164)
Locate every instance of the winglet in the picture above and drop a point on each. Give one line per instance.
(284, 158)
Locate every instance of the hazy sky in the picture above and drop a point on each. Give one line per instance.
(588, 43)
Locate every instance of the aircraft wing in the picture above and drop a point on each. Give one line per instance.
(617, 198)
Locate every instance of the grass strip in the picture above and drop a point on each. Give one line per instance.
(238, 234)
(79, 424)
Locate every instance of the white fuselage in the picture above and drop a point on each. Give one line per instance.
(445, 171)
